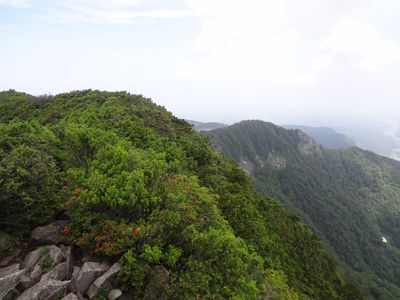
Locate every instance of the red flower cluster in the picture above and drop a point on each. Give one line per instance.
(102, 248)
(66, 230)
(78, 190)
(136, 231)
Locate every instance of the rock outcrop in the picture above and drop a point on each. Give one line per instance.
(49, 234)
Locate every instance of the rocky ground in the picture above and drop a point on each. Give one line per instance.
(48, 268)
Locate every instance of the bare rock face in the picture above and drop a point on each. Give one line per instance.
(87, 274)
(307, 145)
(157, 287)
(49, 234)
(103, 281)
(276, 161)
(9, 278)
(44, 290)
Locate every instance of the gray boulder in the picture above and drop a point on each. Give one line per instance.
(87, 274)
(53, 254)
(104, 281)
(70, 296)
(44, 290)
(32, 259)
(36, 273)
(114, 294)
(9, 278)
(60, 272)
(49, 234)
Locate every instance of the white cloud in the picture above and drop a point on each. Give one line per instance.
(94, 15)
(100, 11)
(240, 41)
(352, 42)
(16, 3)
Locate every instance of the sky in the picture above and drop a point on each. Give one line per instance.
(286, 61)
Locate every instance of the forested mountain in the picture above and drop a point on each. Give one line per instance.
(138, 185)
(204, 126)
(325, 136)
(350, 197)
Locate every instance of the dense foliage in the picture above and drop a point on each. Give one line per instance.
(350, 197)
(141, 186)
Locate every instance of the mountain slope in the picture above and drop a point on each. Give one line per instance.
(350, 197)
(204, 126)
(325, 136)
(140, 186)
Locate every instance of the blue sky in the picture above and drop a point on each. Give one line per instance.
(280, 60)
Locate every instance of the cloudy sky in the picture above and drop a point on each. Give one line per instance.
(213, 60)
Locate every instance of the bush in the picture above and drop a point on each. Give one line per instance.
(29, 187)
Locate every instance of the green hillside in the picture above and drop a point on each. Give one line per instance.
(140, 186)
(350, 197)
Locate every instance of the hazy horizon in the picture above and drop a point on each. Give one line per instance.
(281, 61)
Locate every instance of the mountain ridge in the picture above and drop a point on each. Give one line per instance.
(348, 196)
(140, 186)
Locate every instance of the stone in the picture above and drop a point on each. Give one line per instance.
(87, 274)
(44, 290)
(4, 239)
(9, 258)
(157, 286)
(25, 283)
(67, 252)
(60, 272)
(32, 259)
(114, 294)
(70, 296)
(104, 280)
(9, 278)
(55, 254)
(75, 272)
(49, 234)
(36, 274)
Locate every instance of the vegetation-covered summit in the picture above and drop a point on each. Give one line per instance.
(350, 197)
(139, 185)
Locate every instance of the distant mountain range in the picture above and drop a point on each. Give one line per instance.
(350, 197)
(381, 137)
(325, 136)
